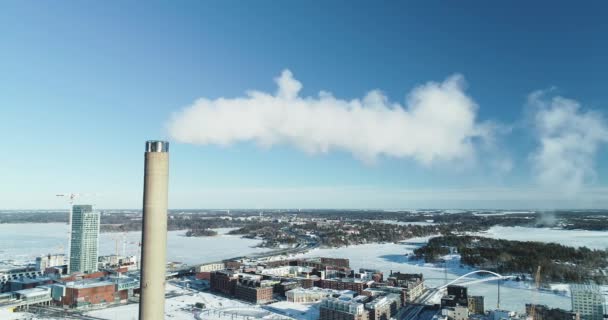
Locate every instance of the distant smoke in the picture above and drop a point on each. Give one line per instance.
(437, 122)
(568, 142)
(546, 219)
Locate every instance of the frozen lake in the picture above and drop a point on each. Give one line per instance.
(390, 256)
(572, 238)
(24, 242)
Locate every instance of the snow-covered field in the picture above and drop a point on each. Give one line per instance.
(299, 311)
(390, 256)
(573, 238)
(182, 308)
(23, 242)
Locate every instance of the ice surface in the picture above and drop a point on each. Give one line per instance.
(573, 238)
(24, 242)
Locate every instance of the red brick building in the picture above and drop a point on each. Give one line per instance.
(223, 281)
(203, 276)
(336, 262)
(79, 295)
(342, 284)
(253, 294)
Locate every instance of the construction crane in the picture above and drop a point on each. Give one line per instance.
(535, 297)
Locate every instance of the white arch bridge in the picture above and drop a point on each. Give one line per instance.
(496, 276)
(433, 292)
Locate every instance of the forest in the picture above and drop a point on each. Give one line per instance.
(558, 263)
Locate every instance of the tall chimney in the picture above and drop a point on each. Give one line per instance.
(154, 231)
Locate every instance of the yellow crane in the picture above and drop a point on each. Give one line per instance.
(535, 296)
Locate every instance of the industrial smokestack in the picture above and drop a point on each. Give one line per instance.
(154, 231)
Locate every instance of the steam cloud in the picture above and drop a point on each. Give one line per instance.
(569, 139)
(437, 123)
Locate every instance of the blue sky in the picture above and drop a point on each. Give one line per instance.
(84, 84)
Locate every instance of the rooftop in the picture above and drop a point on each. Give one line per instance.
(38, 291)
(88, 284)
(26, 280)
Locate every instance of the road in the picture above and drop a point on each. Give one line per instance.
(305, 244)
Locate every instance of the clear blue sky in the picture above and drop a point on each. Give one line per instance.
(83, 84)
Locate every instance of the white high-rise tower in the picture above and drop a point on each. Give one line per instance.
(84, 239)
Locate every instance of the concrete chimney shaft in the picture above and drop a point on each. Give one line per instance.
(154, 231)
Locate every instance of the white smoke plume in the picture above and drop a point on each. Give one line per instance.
(569, 138)
(437, 122)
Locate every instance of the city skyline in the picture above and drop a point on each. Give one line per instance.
(89, 84)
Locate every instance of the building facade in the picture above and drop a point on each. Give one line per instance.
(337, 309)
(84, 239)
(413, 283)
(301, 295)
(223, 281)
(542, 312)
(343, 284)
(476, 305)
(253, 294)
(50, 260)
(587, 301)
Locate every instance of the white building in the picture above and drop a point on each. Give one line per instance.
(314, 294)
(456, 313)
(342, 305)
(587, 301)
(50, 260)
(286, 271)
(84, 239)
(210, 267)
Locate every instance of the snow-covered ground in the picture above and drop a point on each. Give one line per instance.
(299, 311)
(573, 238)
(391, 256)
(7, 315)
(182, 307)
(23, 242)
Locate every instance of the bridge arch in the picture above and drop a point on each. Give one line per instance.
(472, 273)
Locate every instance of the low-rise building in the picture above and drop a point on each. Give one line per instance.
(284, 287)
(542, 312)
(335, 262)
(459, 293)
(28, 283)
(356, 285)
(413, 283)
(314, 294)
(15, 274)
(253, 294)
(39, 295)
(87, 293)
(210, 267)
(51, 260)
(223, 281)
(384, 307)
(286, 271)
(342, 309)
(456, 313)
(371, 275)
(93, 292)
